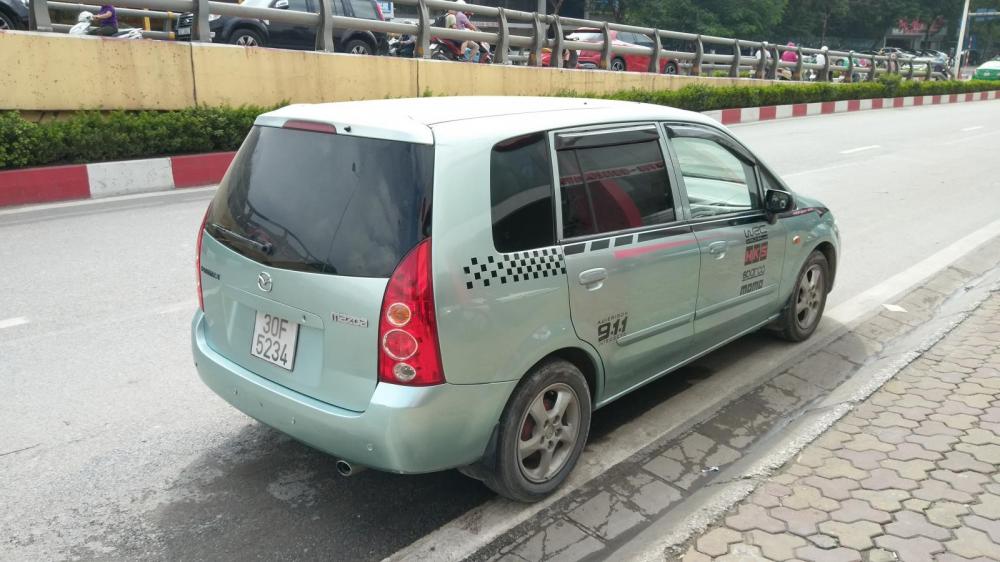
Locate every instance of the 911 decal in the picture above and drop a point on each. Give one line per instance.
(612, 327)
(754, 253)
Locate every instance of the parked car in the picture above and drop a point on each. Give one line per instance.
(252, 32)
(13, 14)
(989, 70)
(620, 61)
(415, 285)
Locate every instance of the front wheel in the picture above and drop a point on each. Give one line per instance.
(671, 68)
(805, 308)
(543, 431)
(246, 38)
(6, 22)
(358, 47)
(618, 65)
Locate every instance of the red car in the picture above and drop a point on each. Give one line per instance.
(619, 61)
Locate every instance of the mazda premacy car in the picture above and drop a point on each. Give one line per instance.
(415, 285)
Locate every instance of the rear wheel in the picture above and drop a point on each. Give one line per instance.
(246, 38)
(805, 308)
(543, 430)
(618, 64)
(358, 47)
(6, 22)
(671, 68)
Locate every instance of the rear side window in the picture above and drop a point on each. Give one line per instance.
(364, 9)
(614, 181)
(324, 203)
(521, 194)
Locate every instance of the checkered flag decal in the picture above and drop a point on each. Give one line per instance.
(514, 268)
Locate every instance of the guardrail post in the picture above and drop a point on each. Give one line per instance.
(537, 41)
(199, 28)
(734, 68)
(500, 52)
(761, 72)
(849, 77)
(423, 46)
(324, 33)
(772, 69)
(930, 70)
(606, 47)
(826, 65)
(556, 60)
(909, 69)
(699, 56)
(654, 61)
(168, 21)
(873, 65)
(797, 73)
(38, 16)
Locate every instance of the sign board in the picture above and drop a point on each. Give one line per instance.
(386, 9)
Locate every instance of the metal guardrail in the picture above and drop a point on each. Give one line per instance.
(547, 32)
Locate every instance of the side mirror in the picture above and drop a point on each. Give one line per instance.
(776, 201)
(281, 4)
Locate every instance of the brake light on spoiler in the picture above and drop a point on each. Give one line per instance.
(313, 126)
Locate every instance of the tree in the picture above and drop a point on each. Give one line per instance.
(727, 18)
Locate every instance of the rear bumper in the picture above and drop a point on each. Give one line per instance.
(404, 429)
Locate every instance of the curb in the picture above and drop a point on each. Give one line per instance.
(107, 179)
(772, 112)
(92, 181)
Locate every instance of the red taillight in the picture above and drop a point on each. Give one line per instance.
(408, 351)
(197, 261)
(310, 126)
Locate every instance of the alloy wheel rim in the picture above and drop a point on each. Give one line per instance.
(670, 69)
(359, 50)
(246, 41)
(809, 297)
(617, 65)
(4, 25)
(549, 432)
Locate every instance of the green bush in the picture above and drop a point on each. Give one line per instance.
(121, 135)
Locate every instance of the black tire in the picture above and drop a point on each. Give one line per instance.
(671, 68)
(358, 47)
(618, 64)
(7, 22)
(546, 384)
(805, 307)
(246, 38)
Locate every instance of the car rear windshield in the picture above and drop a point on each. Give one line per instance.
(324, 203)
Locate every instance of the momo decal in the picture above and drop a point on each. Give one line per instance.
(612, 327)
(514, 268)
(754, 253)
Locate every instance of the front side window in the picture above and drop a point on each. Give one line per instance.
(521, 194)
(613, 181)
(716, 180)
(364, 9)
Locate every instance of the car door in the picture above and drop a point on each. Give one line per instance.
(293, 35)
(632, 265)
(741, 251)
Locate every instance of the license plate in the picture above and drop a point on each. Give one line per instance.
(274, 340)
(183, 31)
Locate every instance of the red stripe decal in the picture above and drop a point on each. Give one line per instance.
(828, 107)
(800, 110)
(968, 97)
(877, 103)
(633, 252)
(898, 102)
(768, 112)
(730, 116)
(853, 105)
(42, 185)
(953, 98)
(918, 100)
(983, 96)
(935, 100)
(200, 169)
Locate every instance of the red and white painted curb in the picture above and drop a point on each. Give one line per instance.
(91, 181)
(107, 179)
(770, 112)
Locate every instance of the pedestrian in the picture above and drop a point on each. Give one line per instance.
(107, 19)
(821, 60)
(790, 56)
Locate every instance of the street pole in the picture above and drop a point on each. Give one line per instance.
(961, 42)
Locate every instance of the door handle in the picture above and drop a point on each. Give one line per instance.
(594, 277)
(718, 249)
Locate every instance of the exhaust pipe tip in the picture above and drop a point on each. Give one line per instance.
(346, 469)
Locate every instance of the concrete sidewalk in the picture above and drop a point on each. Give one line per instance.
(911, 474)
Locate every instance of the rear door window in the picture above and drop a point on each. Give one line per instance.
(364, 9)
(324, 203)
(521, 194)
(611, 181)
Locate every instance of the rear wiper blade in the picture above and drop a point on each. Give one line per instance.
(263, 247)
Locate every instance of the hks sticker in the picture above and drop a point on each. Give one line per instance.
(755, 252)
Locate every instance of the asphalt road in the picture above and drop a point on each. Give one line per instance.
(112, 448)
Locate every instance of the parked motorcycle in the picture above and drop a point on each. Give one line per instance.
(448, 49)
(84, 22)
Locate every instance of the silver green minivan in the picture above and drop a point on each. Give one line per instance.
(416, 285)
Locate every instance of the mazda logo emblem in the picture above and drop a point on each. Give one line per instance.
(264, 282)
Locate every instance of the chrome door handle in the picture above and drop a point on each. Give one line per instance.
(593, 277)
(718, 249)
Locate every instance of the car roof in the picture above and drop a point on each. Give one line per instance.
(412, 119)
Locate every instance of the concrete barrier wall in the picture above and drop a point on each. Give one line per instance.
(51, 72)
